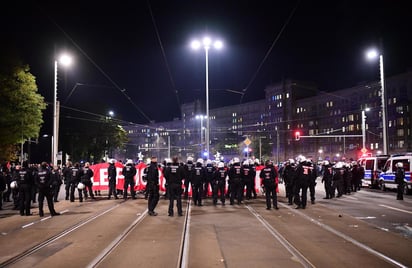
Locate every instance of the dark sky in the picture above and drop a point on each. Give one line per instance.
(134, 57)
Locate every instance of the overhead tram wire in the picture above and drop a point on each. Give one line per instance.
(100, 69)
(164, 56)
(270, 50)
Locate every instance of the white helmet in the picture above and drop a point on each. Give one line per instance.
(291, 161)
(300, 158)
(200, 160)
(257, 161)
(399, 165)
(190, 159)
(168, 160)
(339, 165)
(13, 185)
(246, 163)
(112, 161)
(129, 161)
(236, 160)
(80, 186)
(326, 163)
(221, 165)
(208, 162)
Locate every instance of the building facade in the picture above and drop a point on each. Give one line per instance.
(329, 124)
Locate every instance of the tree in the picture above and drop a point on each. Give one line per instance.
(20, 107)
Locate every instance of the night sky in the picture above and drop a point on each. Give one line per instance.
(134, 57)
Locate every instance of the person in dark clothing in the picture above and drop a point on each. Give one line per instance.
(174, 174)
(289, 178)
(74, 182)
(235, 182)
(303, 176)
(338, 178)
(129, 171)
(327, 179)
(248, 175)
(112, 175)
(312, 181)
(197, 178)
(188, 172)
(269, 177)
(67, 175)
(152, 186)
(3, 186)
(86, 175)
(210, 169)
(219, 183)
(25, 182)
(356, 176)
(43, 181)
(400, 180)
(56, 182)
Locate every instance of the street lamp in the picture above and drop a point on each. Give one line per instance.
(65, 60)
(373, 54)
(364, 129)
(207, 43)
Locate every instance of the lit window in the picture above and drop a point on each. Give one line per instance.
(287, 95)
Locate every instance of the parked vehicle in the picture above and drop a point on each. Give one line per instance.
(373, 166)
(387, 177)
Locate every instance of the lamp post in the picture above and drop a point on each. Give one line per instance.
(207, 43)
(372, 54)
(364, 129)
(64, 60)
(201, 117)
(260, 146)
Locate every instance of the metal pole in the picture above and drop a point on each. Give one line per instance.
(207, 138)
(54, 143)
(260, 148)
(201, 134)
(384, 122)
(363, 130)
(277, 146)
(168, 146)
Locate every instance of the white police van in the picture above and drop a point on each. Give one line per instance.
(387, 177)
(372, 166)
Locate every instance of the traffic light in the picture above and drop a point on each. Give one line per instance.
(297, 135)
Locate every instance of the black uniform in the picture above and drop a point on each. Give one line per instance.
(210, 169)
(235, 182)
(400, 180)
(174, 174)
(74, 182)
(86, 175)
(248, 175)
(303, 177)
(56, 182)
(197, 178)
(112, 174)
(43, 182)
(337, 179)
(327, 181)
(219, 185)
(268, 177)
(67, 175)
(289, 177)
(188, 172)
(129, 171)
(25, 182)
(152, 187)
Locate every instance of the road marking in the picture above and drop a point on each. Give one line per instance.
(27, 225)
(365, 218)
(397, 209)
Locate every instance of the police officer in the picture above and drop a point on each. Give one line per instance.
(25, 182)
(112, 174)
(188, 172)
(248, 175)
(235, 181)
(67, 175)
(174, 174)
(43, 181)
(312, 181)
(74, 182)
(219, 183)
(289, 177)
(303, 177)
(400, 180)
(210, 169)
(269, 177)
(197, 179)
(56, 182)
(337, 179)
(152, 186)
(129, 171)
(86, 175)
(327, 179)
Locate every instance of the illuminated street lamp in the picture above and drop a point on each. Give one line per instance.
(64, 60)
(207, 44)
(373, 54)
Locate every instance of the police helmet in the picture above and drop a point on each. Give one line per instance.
(236, 160)
(190, 159)
(112, 161)
(221, 165)
(399, 165)
(246, 163)
(257, 161)
(80, 186)
(326, 163)
(200, 160)
(168, 160)
(13, 185)
(208, 162)
(129, 162)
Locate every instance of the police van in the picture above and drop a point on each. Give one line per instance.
(372, 166)
(387, 177)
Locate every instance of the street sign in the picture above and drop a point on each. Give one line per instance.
(247, 142)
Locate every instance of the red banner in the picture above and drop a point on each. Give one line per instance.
(101, 182)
